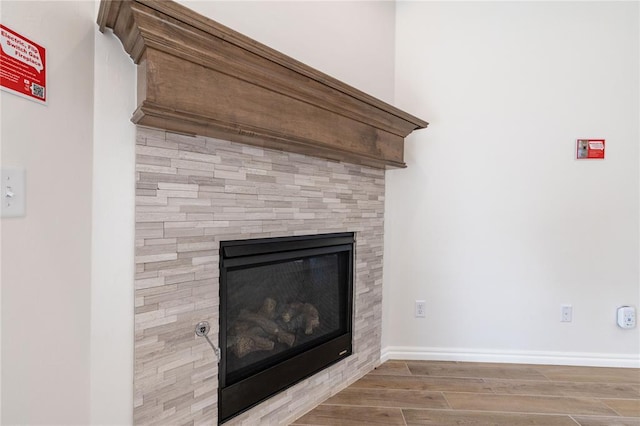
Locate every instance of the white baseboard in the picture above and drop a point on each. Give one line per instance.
(416, 353)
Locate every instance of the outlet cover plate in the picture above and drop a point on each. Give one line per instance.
(567, 313)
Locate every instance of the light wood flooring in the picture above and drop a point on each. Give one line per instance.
(406, 393)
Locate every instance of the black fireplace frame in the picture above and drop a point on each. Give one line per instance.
(303, 362)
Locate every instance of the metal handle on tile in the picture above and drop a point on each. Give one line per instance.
(202, 329)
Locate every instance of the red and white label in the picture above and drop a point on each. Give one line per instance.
(23, 67)
(590, 149)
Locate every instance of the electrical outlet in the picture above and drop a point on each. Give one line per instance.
(626, 317)
(567, 313)
(421, 309)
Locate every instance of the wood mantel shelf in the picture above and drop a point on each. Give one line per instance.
(196, 76)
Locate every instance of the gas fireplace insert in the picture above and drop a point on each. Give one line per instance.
(285, 314)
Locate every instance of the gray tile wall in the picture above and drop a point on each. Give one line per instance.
(192, 193)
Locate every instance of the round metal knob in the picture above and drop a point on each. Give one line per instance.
(202, 328)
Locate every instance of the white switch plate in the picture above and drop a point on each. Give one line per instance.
(12, 193)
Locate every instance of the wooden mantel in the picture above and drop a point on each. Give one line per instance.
(196, 76)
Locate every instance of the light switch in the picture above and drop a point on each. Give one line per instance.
(13, 193)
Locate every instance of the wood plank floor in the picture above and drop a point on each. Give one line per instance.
(407, 393)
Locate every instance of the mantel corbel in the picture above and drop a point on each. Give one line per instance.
(196, 76)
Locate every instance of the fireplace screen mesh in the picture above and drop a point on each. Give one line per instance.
(277, 307)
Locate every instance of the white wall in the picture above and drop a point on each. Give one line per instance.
(46, 256)
(352, 41)
(113, 228)
(494, 223)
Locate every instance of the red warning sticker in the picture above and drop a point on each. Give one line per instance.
(590, 149)
(23, 68)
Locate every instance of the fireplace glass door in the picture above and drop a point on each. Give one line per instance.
(285, 313)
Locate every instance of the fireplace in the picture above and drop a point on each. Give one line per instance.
(285, 313)
(284, 150)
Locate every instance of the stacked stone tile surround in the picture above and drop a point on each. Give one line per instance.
(192, 193)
